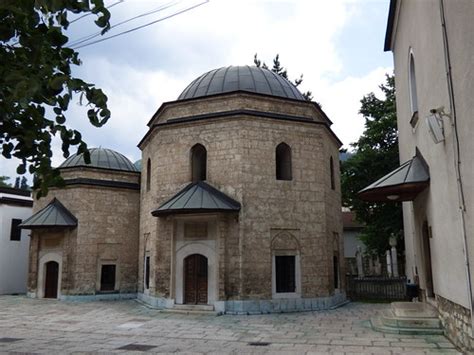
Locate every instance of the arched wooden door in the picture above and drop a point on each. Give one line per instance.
(51, 280)
(195, 279)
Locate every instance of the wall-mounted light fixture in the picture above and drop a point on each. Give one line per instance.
(436, 125)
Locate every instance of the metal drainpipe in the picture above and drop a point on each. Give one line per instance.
(457, 158)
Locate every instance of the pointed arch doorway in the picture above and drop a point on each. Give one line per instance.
(51, 279)
(195, 279)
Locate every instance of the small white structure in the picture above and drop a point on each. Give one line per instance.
(15, 206)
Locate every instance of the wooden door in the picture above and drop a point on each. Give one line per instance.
(195, 279)
(427, 260)
(51, 282)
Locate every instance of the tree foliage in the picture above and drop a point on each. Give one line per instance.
(3, 181)
(280, 70)
(37, 86)
(375, 155)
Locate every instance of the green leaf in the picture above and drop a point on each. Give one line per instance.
(21, 169)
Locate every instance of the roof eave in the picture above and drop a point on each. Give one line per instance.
(165, 213)
(394, 193)
(390, 25)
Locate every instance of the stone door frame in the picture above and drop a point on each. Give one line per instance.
(51, 256)
(212, 279)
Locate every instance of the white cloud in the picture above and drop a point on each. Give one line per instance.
(141, 70)
(341, 102)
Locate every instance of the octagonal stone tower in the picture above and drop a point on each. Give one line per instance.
(240, 198)
(84, 237)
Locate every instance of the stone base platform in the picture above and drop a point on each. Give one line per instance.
(283, 305)
(409, 318)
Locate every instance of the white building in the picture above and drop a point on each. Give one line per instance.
(15, 206)
(433, 46)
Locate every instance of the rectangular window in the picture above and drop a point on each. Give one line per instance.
(107, 278)
(15, 231)
(285, 274)
(335, 263)
(147, 272)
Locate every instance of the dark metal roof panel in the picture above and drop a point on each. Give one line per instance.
(53, 215)
(245, 78)
(390, 22)
(198, 197)
(101, 158)
(406, 182)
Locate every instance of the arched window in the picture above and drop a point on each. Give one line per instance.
(148, 174)
(198, 163)
(412, 86)
(283, 162)
(331, 170)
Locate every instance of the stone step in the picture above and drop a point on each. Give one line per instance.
(413, 310)
(389, 319)
(378, 325)
(192, 309)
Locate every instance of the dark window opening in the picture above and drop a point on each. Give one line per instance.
(148, 174)
(285, 273)
(283, 162)
(198, 163)
(147, 272)
(15, 231)
(107, 278)
(331, 168)
(413, 93)
(336, 271)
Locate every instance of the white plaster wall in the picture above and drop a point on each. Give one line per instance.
(419, 29)
(13, 254)
(351, 242)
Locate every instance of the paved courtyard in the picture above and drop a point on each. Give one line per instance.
(46, 326)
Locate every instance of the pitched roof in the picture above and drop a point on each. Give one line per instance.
(197, 197)
(53, 215)
(349, 221)
(402, 184)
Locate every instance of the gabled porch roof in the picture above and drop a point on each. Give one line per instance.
(402, 184)
(197, 197)
(54, 215)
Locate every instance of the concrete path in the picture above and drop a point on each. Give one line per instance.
(45, 326)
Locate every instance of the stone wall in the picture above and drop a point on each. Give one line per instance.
(106, 233)
(457, 323)
(241, 163)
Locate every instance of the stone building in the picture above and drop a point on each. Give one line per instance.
(84, 236)
(239, 205)
(433, 49)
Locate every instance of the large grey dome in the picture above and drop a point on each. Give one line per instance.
(100, 158)
(245, 78)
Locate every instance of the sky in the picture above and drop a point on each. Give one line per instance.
(336, 44)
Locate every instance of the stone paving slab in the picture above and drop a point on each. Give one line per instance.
(59, 327)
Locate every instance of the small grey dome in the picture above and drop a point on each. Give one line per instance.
(245, 78)
(100, 158)
(138, 164)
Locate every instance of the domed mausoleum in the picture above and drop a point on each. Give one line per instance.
(237, 208)
(84, 237)
(240, 198)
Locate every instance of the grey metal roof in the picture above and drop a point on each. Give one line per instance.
(197, 197)
(406, 182)
(138, 164)
(241, 78)
(53, 215)
(100, 158)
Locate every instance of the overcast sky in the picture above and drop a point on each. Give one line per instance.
(336, 44)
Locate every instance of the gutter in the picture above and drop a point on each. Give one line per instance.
(457, 159)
